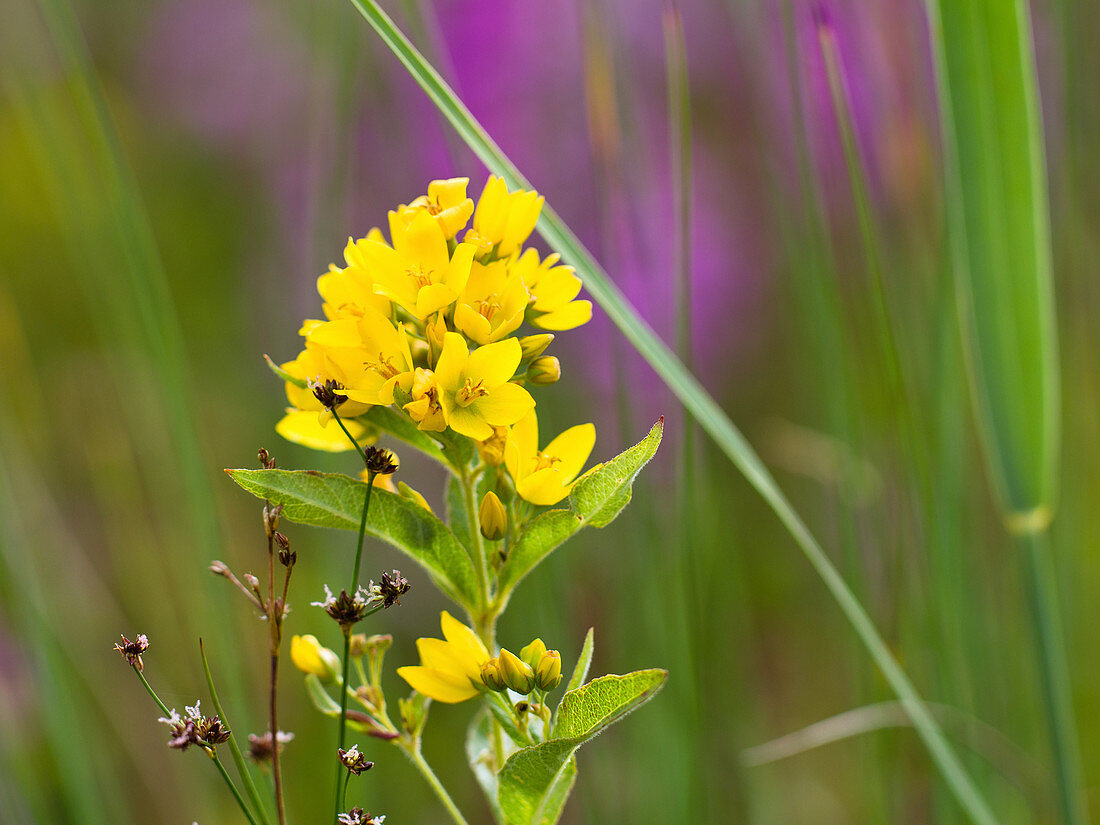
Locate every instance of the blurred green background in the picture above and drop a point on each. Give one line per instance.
(175, 174)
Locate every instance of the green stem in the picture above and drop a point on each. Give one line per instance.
(1054, 672)
(429, 775)
(234, 748)
(351, 438)
(342, 727)
(211, 752)
(233, 788)
(149, 689)
(469, 497)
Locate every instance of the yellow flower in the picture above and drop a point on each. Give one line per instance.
(418, 272)
(370, 356)
(553, 289)
(491, 306)
(306, 422)
(425, 408)
(546, 476)
(446, 201)
(474, 388)
(449, 671)
(303, 428)
(346, 291)
(310, 656)
(505, 218)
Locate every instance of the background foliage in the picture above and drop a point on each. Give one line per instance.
(176, 174)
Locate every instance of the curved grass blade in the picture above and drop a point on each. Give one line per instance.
(695, 399)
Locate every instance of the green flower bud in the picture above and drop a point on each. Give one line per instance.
(544, 371)
(548, 670)
(532, 346)
(518, 675)
(493, 517)
(533, 652)
(491, 675)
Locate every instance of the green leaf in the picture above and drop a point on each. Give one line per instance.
(999, 227)
(479, 753)
(584, 660)
(454, 500)
(596, 500)
(334, 500)
(283, 374)
(535, 781)
(320, 697)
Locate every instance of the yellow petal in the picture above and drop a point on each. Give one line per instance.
(473, 325)
(452, 362)
(504, 405)
(302, 428)
(458, 271)
(495, 363)
(556, 288)
(466, 421)
(433, 685)
(459, 634)
(522, 446)
(570, 316)
(573, 447)
(432, 298)
(543, 487)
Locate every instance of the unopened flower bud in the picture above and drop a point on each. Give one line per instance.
(533, 652)
(517, 674)
(491, 675)
(532, 346)
(252, 581)
(407, 492)
(492, 517)
(357, 645)
(491, 449)
(548, 670)
(544, 371)
(309, 656)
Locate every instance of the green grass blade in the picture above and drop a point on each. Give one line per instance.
(695, 398)
(1000, 241)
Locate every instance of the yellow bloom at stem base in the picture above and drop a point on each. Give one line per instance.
(450, 669)
(546, 476)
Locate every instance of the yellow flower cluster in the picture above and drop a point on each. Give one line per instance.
(426, 323)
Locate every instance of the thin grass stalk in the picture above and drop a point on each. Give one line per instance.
(995, 179)
(234, 747)
(696, 399)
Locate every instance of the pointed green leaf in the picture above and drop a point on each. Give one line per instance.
(580, 671)
(283, 374)
(334, 500)
(596, 501)
(601, 495)
(454, 501)
(535, 781)
(479, 753)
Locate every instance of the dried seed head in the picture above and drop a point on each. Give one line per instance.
(326, 393)
(357, 816)
(266, 461)
(260, 748)
(380, 461)
(132, 650)
(392, 587)
(353, 760)
(347, 610)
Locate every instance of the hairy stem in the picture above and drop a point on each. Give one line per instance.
(413, 750)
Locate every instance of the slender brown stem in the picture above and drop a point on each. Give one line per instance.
(274, 621)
